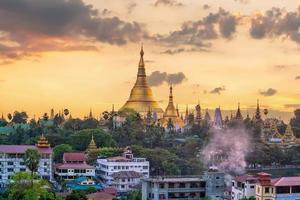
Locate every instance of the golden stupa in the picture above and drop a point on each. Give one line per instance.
(171, 111)
(141, 98)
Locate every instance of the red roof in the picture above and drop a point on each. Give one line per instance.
(127, 174)
(245, 178)
(100, 195)
(22, 148)
(74, 157)
(110, 190)
(286, 181)
(74, 166)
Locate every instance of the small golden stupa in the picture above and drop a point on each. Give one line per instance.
(92, 146)
(141, 98)
(171, 111)
(43, 142)
(289, 134)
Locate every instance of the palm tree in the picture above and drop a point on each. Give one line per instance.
(32, 159)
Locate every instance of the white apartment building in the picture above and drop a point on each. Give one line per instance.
(105, 168)
(12, 160)
(74, 165)
(243, 186)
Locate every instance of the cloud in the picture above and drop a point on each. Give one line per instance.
(297, 78)
(181, 50)
(33, 26)
(293, 106)
(171, 3)
(200, 33)
(243, 1)
(106, 12)
(276, 23)
(131, 7)
(206, 7)
(157, 78)
(218, 90)
(268, 92)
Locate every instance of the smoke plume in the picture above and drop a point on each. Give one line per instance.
(227, 150)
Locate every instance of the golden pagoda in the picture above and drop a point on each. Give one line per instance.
(92, 148)
(43, 142)
(141, 97)
(274, 131)
(289, 134)
(171, 112)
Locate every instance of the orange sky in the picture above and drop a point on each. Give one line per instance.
(60, 78)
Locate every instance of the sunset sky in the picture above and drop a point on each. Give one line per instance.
(82, 54)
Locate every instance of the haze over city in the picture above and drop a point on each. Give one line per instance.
(216, 52)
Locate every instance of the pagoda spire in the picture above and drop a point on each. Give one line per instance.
(257, 113)
(92, 146)
(238, 115)
(141, 69)
(91, 113)
(43, 142)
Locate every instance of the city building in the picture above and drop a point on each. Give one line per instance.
(211, 184)
(125, 181)
(12, 160)
(107, 167)
(74, 165)
(243, 187)
(141, 98)
(283, 188)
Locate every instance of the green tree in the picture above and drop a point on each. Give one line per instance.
(20, 117)
(77, 195)
(59, 150)
(27, 187)
(81, 139)
(32, 159)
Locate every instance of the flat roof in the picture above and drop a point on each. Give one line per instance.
(21, 149)
(174, 180)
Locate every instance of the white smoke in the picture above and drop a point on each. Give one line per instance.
(227, 150)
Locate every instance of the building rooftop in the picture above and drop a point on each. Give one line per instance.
(74, 157)
(127, 174)
(286, 181)
(100, 195)
(245, 178)
(22, 148)
(175, 179)
(74, 166)
(118, 159)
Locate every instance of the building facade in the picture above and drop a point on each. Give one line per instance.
(74, 165)
(243, 187)
(211, 184)
(12, 160)
(105, 168)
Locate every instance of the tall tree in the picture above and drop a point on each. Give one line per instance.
(32, 159)
(20, 117)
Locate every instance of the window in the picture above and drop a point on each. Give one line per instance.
(10, 169)
(217, 177)
(296, 189)
(283, 190)
(10, 163)
(22, 169)
(252, 186)
(22, 163)
(161, 185)
(267, 190)
(145, 167)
